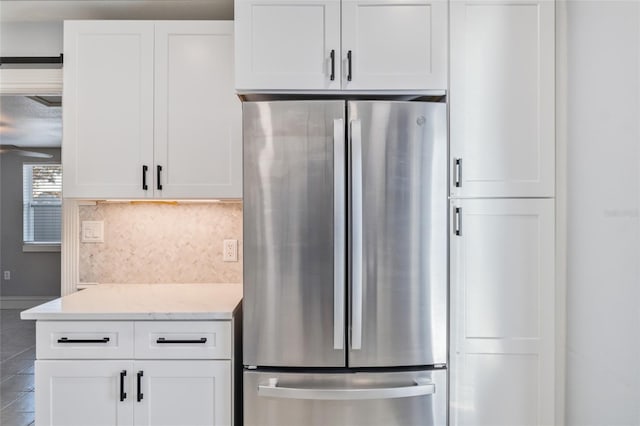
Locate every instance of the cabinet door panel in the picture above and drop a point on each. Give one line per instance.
(198, 136)
(502, 98)
(502, 313)
(184, 393)
(395, 45)
(287, 45)
(107, 108)
(82, 393)
(501, 388)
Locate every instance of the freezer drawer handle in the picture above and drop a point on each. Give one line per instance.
(274, 391)
(67, 340)
(163, 340)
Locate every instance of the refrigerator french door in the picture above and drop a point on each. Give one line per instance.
(345, 230)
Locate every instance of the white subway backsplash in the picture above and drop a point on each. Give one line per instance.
(162, 243)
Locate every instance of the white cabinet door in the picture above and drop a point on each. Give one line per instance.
(83, 393)
(394, 45)
(502, 98)
(287, 45)
(502, 313)
(198, 130)
(107, 108)
(183, 393)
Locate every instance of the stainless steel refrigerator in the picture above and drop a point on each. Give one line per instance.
(345, 263)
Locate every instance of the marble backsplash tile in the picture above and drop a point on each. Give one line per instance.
(162, 243)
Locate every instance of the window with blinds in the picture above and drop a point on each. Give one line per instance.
(42, 203)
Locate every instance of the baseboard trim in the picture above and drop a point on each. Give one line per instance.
(23, 302)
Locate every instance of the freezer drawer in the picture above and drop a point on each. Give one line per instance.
(349, 399)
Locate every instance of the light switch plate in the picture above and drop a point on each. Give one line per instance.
(92, 231)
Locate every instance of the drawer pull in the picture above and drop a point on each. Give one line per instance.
(66, 340)
(163, 340)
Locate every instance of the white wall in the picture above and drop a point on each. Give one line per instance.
(31, 38)
(603, 289)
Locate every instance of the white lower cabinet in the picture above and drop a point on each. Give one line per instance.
(82, 393)
(183, 389)
(181, 393)
(140, 393)
(502, 312)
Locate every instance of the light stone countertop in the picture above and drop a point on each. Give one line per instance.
(143, 302)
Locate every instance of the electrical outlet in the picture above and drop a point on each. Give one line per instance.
(230, 251)
(7, 275)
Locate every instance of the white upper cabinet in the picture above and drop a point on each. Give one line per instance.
(108, 108)
(502, 98)
(150, 110)
(287, 45)
(502, 312)
(341, 45)
(198, 117)
(394, 45)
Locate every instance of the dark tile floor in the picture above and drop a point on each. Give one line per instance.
(17, 353)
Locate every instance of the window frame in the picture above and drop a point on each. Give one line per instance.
(37, 246)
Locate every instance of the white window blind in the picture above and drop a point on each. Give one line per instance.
(42, 203)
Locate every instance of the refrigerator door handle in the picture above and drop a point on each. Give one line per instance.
(339, 231)
(272, 390)
(356, 229)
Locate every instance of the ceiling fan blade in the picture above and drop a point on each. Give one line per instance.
(32, 154)
(23, 152)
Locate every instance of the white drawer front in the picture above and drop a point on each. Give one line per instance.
(183, 339)
(84, 339)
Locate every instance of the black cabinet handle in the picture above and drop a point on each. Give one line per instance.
(349, 65)
(140, 394)
(123, 394)
(159, 170)
(144, 177)
(163, 340)
(333, 65)
(66, 340)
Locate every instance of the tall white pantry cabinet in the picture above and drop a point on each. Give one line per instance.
(502, 277)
